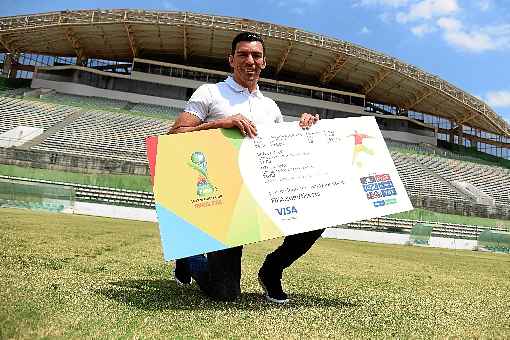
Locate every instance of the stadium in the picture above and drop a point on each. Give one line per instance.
(81, 90)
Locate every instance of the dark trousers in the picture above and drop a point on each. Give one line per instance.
(220, 275)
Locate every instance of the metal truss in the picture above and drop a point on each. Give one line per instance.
(331, 71)
(75, 42)
(283, 58)
(372, 83)
(131, 39)
(418, 98)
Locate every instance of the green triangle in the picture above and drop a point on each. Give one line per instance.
(244, 227)
(234, 136)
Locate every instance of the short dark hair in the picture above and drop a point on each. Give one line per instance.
(247, 36)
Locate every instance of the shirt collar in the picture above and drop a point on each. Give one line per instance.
(238, 88)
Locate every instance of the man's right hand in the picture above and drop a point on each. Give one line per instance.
(246, 126)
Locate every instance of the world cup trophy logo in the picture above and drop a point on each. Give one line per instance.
(199, 163)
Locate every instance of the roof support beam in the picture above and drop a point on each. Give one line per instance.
(185, 42)
(331, 71)
(283, 58)
(11, 65)
(372, 83)
(420, 97)
(7, 45)
(159, 37)
(467, 117)
(75, 42)
(131, 40)
(211, 41)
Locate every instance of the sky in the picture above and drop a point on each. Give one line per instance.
(466, 42)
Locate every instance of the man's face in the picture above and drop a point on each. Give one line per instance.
(248, 61)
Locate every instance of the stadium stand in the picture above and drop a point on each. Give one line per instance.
(105, 134)
(433, 150)
(157, 110)
(18, 112)
(107, 104)
(419, 182)
(493, 181)
(83, 101)
(449, 230)
(111, 135)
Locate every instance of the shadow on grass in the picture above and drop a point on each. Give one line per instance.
(166, 294)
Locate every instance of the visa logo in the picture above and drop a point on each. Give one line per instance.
(286, 211)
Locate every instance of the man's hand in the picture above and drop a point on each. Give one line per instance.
(307, 120)
(246, 126)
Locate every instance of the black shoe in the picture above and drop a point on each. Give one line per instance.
(181, 274)
(272, 286)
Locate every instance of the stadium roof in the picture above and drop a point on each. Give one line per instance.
(292, 54)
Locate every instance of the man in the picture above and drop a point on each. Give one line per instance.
(238, 103)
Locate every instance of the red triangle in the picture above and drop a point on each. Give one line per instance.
(151, 143)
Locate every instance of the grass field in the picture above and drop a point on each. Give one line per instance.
(83, 277)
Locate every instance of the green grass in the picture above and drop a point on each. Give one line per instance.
(129, 182)
(82, 277)
(431, 216)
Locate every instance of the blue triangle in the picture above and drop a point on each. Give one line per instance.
(180, 238)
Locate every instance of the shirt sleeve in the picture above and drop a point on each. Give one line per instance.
(199, 103)
(278, 114)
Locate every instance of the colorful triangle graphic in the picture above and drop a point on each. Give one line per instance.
(245, 214)
(179, 238)
(233, 136)
(151, 143)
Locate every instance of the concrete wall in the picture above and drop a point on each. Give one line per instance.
(85, 90)
(167, 80)
(408, 137)
(302, 103)
(367, 236)
(147, 88)
(113, 211)
(60, 161)
(400, 239)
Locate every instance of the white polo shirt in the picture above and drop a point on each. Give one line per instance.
(227, 98)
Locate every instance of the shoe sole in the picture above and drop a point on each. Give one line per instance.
(268, 298)
(179, 282)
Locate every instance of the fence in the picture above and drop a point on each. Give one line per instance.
(35, 196)
(494, 240)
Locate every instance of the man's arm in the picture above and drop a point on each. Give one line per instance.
(188, 122)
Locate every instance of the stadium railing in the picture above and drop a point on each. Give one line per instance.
(441, 229)
(142, 199)
(95, 194)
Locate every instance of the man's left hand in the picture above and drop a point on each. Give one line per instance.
(307, 120)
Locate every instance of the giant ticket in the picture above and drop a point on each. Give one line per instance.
(215, 189)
